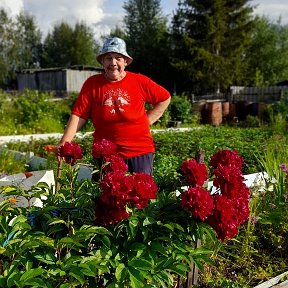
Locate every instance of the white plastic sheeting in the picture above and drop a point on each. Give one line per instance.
(21, 180)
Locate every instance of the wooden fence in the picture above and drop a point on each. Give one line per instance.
(236, 94)
(256, 94)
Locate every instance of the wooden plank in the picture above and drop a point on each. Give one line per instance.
(192, 277)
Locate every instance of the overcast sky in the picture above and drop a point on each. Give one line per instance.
(103, 15)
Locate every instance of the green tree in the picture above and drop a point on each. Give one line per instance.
(20, 40)
(6, 48)
(28, 42)
(209, 42)
(117, 32)
(66, 46)
(268, 54)
(84, 48)
(57, 46)
(147, 40)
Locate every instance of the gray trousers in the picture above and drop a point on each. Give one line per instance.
(141, 164)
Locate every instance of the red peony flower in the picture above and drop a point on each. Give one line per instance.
(120, 190)
(103, 148)
(237, 190)
(224, 212)
(228, 215)
(115, 163)
(198, 201)
(229, 179)
(241, 205)
(144, 189)
(107, 214)
(227, 157)
(70, 152)
(116, 188)
(224, 219)
(195, 173)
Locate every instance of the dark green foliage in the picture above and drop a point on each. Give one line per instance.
(59, 243)
(67, 46)
(210, 38)
(147, 40)
(20, 44)
(281, 107)
(183, 145)
(180, 109)
(29, 41)
(250, 121)
(265, 67)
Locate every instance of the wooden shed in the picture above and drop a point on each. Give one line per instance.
(60, 80)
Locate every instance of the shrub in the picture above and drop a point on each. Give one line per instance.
(180, 109)
(32, 112)
(119, 231)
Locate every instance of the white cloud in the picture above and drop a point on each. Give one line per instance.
(104, 15)
(12, 7)
(272, 9)
(50, 12)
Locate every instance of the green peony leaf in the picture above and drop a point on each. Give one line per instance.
(136, 277)
(31, 274)
(119, 271)
(141, 264)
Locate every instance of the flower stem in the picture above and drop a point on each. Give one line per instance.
(59, 171)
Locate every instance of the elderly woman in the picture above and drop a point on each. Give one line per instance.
(115, 102)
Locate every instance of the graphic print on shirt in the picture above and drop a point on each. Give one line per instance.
(116, 100)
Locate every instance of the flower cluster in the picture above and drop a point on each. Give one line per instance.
(195, 173)
(107, 151)
(226, 209)
(121, 190)
(198, 201)
(103, 148)
(70, 152)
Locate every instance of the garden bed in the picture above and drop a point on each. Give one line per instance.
(260, 246)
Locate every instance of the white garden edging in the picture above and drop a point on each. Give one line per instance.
(26, 138)
(275, 281)
(21, 181)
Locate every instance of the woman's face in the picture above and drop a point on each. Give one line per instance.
(114, 65)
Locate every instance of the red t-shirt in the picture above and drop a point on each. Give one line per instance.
(117, 110)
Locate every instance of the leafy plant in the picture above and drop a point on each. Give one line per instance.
(180, 109)
(64, 244)
(257, 253)
(8, 165)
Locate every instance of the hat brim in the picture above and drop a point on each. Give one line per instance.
(129, 59)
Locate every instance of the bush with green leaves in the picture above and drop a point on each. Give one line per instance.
(258, 252)
(31, 111)
(180, 109)
(281, 107)
(8, 163)
(178, 146)
(262, 240)
(59, 245)
(37, 110)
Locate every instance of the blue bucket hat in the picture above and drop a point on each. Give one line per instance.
(116, 45)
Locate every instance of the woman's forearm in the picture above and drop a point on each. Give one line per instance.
(74, 124)
(157, 111)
